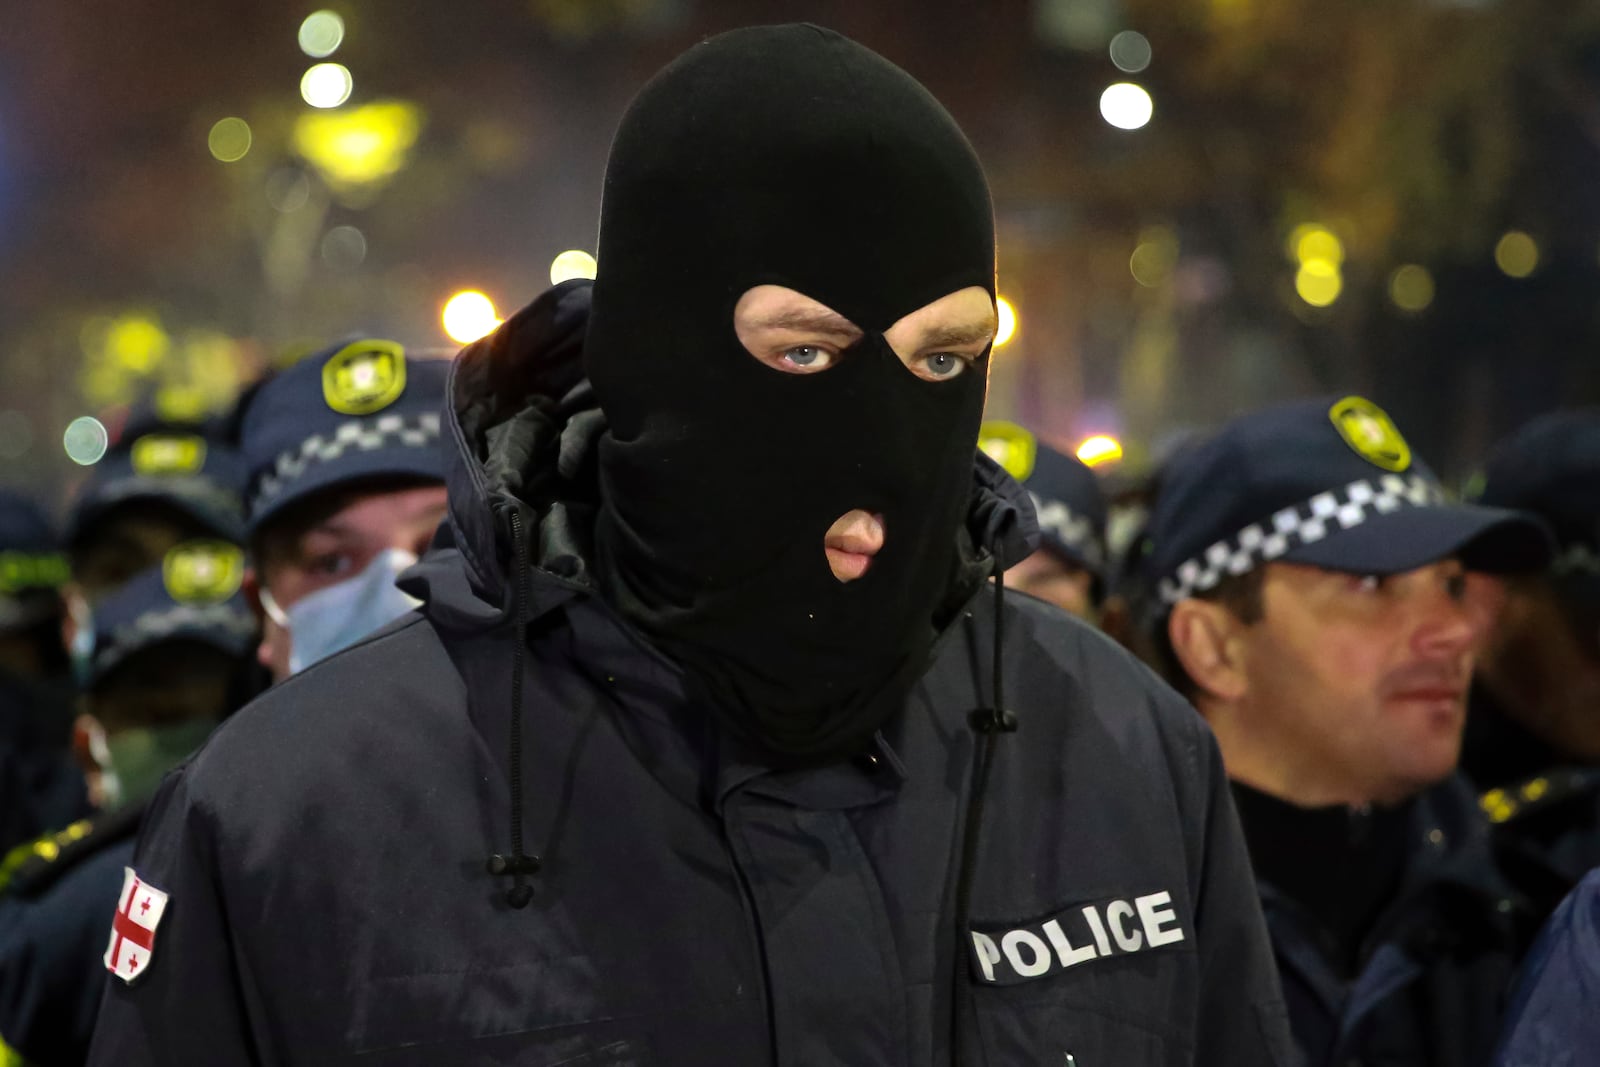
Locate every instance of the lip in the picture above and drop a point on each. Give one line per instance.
(852, 543)
(848, 566)
(1431, 695)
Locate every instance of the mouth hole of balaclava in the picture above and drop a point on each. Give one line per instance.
(793, 333)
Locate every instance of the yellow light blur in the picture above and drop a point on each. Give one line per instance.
(326, 85)
(1318, 243)
(1126, 106)
(1318, 283)
(85, 441)
(1100, 449)
(1411, 287)
(180, 402)
(468, 316)
(361, 147)
(136, 343)
(321, 34)
(1007, 316)
(1155, 256)
(571, 264)
(229, 139)
(1517, 254)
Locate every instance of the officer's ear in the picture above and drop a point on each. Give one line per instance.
(1204, 639)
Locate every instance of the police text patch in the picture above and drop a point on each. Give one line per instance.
(1079, 935)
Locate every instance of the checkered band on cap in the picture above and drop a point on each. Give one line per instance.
(1071, 529)
(155, 626)
(1302, 524)
(357, 435)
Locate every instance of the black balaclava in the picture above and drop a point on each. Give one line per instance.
(791, 156)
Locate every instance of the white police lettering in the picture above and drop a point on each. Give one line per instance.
(1080, 934)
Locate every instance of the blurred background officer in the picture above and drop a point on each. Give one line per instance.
(1533, 738)
(173, 654)
(1314, 580)
(39, 787)
(161, 485)
(1069, 568)
(346, 490)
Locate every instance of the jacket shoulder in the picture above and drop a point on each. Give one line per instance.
(331, 726)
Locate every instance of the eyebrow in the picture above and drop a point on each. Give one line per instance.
(800, 319)
(976, 333)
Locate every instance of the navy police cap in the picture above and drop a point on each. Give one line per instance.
(193, 595)
(176, 466)
(1327, 483)
(349, 413)
(1551, 467)
(1066, 495)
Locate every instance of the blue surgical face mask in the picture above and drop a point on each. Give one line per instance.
(335, 618)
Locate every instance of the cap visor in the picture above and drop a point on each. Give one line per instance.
(424, 462)
(222, 522)
(1484, 539)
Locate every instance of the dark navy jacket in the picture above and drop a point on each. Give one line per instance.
(1554, 1019)
(53, 923)
(324, 854)
(1436, 967)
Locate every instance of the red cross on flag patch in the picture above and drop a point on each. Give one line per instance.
(133, 928)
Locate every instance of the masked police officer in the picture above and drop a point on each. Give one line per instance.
(40, 789)
(1069, 568)
(1313, 579)
(711, 743)
(346, 490)
(172, 654)
(1533, 738)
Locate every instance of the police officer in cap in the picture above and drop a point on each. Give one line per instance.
(1314, 580)
(346, 490)
(173, 653)
(40, 789)
(162, 484)
(1069, 568)
(712, 742)
(1533, 737)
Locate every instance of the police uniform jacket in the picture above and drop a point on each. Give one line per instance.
(1552, 1020)
(53, 912)
(1436, 967)
(323, 858)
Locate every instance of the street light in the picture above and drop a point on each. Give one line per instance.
(469, 315)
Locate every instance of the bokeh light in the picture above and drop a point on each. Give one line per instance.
(359, 148)
(1007, 316)
(229, 139)
(1318, 283)
(1126, 106)
(1130, 51)
(16, 434)
(1318, 243)
(469, 315)
(1155, 257)
(86, 440)
(344, 248)
(1517, 254)
(1101, 448)
(573, 263)
(1411, 287)
(326, 85)
(321, 34)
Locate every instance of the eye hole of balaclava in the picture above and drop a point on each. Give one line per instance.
(794, 333)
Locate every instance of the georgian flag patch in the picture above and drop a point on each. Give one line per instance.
(133, 928)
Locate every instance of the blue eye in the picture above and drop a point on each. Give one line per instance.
(944, 365)
(805, 359)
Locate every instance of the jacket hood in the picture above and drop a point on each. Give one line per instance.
(521, 433)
